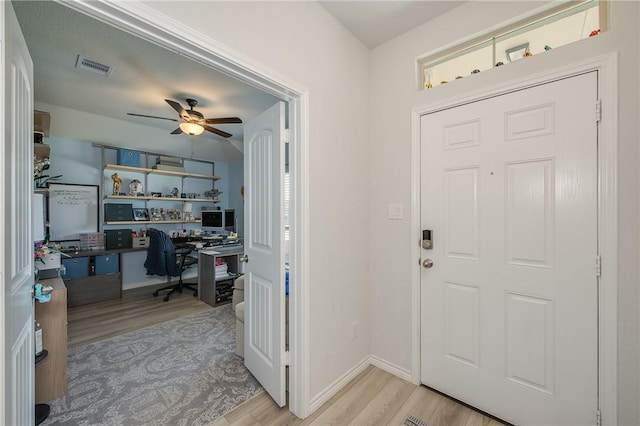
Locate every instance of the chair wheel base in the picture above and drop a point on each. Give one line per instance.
(155, 293)
(166, 298)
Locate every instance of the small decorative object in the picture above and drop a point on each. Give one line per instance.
(443, 82)
(547, 47)
(499, 64)
(140, 214)
(135, 188)
(156, 194)
(476, 71)
(42, 250)
(458, 77)
(175, 192)
(39, 166)
(214, 193)
(427, 80)
(594, 32)
(117, 181)
(183, 195)
(527, 53)
(187, 209)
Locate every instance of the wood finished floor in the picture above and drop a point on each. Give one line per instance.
(374, 397)
(137, 309)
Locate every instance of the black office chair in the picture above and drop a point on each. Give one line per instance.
(165, 259)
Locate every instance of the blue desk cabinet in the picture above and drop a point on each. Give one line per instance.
(77, 267)
(92, 278)
(107, 264)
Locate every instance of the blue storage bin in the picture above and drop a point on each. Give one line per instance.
(77, 267)
(128, 157)
(107, 264)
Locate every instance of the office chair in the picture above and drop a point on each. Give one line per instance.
(165, 259)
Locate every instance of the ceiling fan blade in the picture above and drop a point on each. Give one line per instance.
(151, 116)
(177, 131)
(175, 105)
(226, 120)
(217, 131)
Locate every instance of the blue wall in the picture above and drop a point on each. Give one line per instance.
(79, 162)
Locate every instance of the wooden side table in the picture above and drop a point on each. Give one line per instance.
(51, 372)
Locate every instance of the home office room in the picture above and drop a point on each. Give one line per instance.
(139, 209)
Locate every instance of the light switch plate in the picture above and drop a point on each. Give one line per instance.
(395, 212)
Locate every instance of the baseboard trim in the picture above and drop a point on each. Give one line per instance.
(341, 382)
(390, 368)
(336, 386)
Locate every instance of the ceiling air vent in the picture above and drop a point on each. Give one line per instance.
(86, 64)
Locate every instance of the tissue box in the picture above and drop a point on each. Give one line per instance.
(50, 268)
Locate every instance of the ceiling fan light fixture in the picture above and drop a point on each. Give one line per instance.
(192, 129)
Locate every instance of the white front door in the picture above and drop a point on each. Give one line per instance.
(264, 317)
(509, 306)
(16, 254)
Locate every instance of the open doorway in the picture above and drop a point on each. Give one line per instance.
(294, 96)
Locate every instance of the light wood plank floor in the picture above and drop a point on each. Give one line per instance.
(375, 397)
(135, 310)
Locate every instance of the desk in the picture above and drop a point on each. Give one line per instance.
(217, 291)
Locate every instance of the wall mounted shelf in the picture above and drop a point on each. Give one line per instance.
(159, 172)
(173, 199)
(149, 222)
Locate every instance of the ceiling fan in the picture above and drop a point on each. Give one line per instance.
(193, 122)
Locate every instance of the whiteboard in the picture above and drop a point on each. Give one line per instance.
(73, 209)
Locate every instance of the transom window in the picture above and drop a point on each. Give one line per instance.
(533, 35)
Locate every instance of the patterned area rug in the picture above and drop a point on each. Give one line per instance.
(181, 372)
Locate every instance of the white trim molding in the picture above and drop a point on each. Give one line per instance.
(338, 384)
(607, 68)
(390, 368)
(141, 20)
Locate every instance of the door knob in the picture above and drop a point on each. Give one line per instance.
(244, 259)
(427, 263)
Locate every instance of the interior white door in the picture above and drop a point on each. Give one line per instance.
(16, 182)
(264, 321)
(509, 307)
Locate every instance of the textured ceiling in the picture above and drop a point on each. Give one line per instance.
(143, 74)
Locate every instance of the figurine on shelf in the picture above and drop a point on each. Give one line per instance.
(117, 181)
(526, 54)
(594, 32)
(135, 188)
(547, 47)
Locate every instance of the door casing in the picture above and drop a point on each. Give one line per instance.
(606, 65)
(144, 22)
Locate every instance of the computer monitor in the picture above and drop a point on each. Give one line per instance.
(213, 220)
(230, 220)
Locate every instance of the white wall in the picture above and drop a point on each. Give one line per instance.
(393, 88)
(301, 41)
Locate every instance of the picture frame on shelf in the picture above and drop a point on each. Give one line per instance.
(140, 214)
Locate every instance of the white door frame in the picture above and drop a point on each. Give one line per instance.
(146, 23)
(606, 66)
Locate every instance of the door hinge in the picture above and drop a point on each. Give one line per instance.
(598, 266)
(598, 110)
(598, 418)
(287, 358)
(286, 136)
